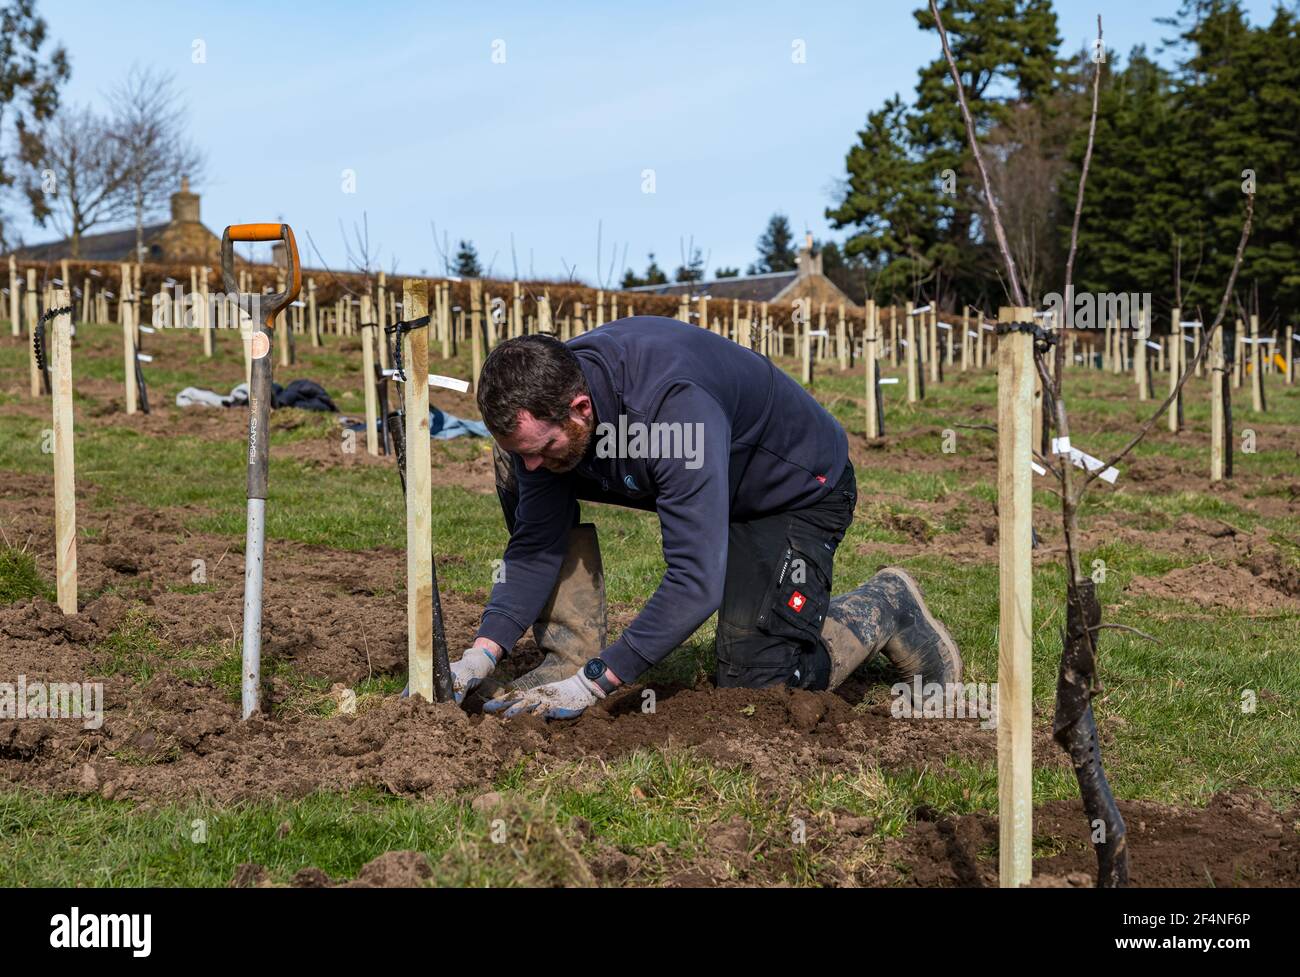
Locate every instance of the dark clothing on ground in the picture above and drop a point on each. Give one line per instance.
(303, 394)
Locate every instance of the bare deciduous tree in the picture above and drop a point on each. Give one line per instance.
(148, 120)
(363, 257)
(1025, 175)
(76, 173)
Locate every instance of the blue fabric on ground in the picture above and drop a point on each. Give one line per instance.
(442, 426)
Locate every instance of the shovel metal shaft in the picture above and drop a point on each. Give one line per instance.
(254, 551)
(259, 409)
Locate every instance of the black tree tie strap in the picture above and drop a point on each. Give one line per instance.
(38, 342)
(1043, 340)
(398, 329)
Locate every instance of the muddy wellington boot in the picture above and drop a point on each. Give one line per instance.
(574, 624)
(888, 613)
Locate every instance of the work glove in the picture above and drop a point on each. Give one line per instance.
(566, 699)
(475, 664)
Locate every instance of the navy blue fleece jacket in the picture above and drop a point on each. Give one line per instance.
(744, 440)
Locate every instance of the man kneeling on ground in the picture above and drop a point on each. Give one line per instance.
(754, 490)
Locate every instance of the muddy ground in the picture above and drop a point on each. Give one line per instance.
(340, 617)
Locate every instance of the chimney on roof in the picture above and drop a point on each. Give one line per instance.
(807, 265)
(185, 205)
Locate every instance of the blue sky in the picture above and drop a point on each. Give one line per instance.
(408, 97)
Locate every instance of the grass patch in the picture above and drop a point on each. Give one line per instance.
(19, 578)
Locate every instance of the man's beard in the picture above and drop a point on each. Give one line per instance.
(579, 438)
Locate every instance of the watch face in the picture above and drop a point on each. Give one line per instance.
(594, 669)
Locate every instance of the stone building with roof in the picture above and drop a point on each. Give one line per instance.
(181, 240)
(807, 280)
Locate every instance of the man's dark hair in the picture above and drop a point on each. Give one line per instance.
(535, 373)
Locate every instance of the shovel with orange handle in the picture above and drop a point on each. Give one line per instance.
(262, 309)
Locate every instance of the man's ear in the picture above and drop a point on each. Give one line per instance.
(580, 408)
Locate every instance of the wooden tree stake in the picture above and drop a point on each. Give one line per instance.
(1218, 431)
(842, 339)
(313, 321)
(1256, 366)
(65, 490)
(381, 320)
(368, 336)
(893, 336)
(1177, 357)
(545, 323)
(932, 342)
(1140, 359)
(871, 363)
(282, 327)
(965, 338)
(1238, 354)
(15, 323)
(444, 320)
(33, 312)
(909, 355)
(128, 351)
(821, 329)
(805, 321)
(475, 335)
(1015, 601)
(419, 493)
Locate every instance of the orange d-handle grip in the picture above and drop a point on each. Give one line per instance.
(271, 305)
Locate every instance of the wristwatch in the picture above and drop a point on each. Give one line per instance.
(594, 672)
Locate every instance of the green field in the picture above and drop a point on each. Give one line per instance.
(1171, 712)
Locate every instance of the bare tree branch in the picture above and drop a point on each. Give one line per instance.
(1078, 212)
(443, 249)
(363, 258)
(326, 268)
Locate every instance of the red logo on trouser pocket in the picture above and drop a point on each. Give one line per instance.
(796, 601)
